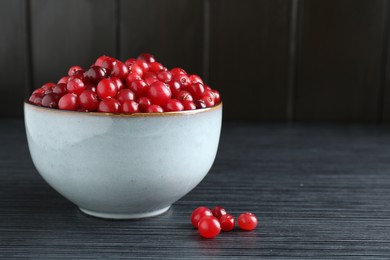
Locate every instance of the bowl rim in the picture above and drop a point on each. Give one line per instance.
(161, 114)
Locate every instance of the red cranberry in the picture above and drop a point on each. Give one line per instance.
(196, 79)
(209, 227)
(88, 100)
(100, 60)
(63, 80)
(135, 68)
(129, 106)
(120, 70)
(174, 105)
(125, 94)
(143, 64)
(109, 64)
(68, 102)
(139, 87)
(227, 222)
(209, 101)
(106, 88)
(118, 82)
(60, 89)
(95, 74)
(149, 74)
(155, 109)
(109, 105)
(164, 76)
(75, 85)
(177, 71)
(50, 85)
(48, 91)
(217, 97)
(183, 79)
(130, 62)
(155, 67)
(39, 91)
(36, 99)
(196, 90)
(159, 93)
(218, 212)
(147, 57)
(50, 100)
(89, 86)
(149, 81)
(132, 77)
(247, 221)
(199, 213)
(188, 105)
(144, 103)
(73, 70)
(184, 95)
(200, 104)
(174, 86)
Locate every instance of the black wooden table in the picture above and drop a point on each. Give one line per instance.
(319, 191)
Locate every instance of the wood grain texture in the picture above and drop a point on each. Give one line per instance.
(319, 191)
(250, 58)
(339, 67)
(172, 30)
(13, 57)
(67, 33)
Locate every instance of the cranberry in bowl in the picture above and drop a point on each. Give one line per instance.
(109, 157)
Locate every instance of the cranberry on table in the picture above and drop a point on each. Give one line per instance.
(174, 105)
(88, 100)
(129, 106)
(188, 105)
(109, 105)
(155, 109)
(218, 212)
(106, 88)
(75, 85)
(198, 213)
(159, 93)
(227, 222)
(125, 94)
(68, 102)
(143, 103)
(209, 227)
(247, 221)
(147, 57)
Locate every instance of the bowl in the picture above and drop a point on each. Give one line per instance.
(123, 166)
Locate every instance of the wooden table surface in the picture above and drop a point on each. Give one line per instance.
(319, 191)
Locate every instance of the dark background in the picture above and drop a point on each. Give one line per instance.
(272, 60)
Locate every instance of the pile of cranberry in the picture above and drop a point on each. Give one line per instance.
(140, 85)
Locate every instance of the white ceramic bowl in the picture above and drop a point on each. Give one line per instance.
(123, 166)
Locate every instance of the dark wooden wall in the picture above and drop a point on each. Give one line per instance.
(272, 60)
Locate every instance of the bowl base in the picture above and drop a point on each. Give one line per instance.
(125, 215)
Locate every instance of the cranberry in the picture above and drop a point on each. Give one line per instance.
(75, 85)
(149, 74)
(36, 99)
(147, 57)
(106, 88)
(89, 86)
(144, 103)
(164, 76)
(227, 222)
(200, 104)
(68, 102)
(63, 80)
(247, 221)
(177, 71)
(135, 68)
(129, 106)
(109, 64)
(125, 94)
(73, 70)
(183, 79)
(88, 100)
(198, 213)
(218, 212)
(60, 89)
(95, 74)
(209, 227)
(109, 105)
(39, 91)
(149, 81)
(159, 93)
(208, 101)
(50, 100)
(120, 70)
(132, 77)
(50, 85)
(196, 90)
(130, 62)
(143, 64)
(155, 109)
(174, 86)
(48, 91)
(188, 105)
(174, 105)
(184, 95)
(217, 97)
(155, 67)
(139, 87)
(208, 93)
(196, 79)
(100, 60)
(118, 82)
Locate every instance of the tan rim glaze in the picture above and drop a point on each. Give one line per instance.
(179, 113)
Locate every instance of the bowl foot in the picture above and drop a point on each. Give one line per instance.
(125, 215)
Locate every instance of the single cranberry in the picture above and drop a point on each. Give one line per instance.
(36, 99)
(147, 57)
(106, 88)
(174, 105)
(217, 96)
(196, 79)
(164, 76)
(184, 80)
(100, 60)
(207, 88)
(60, 89)
(95, 74)
(200, 104)
(188, 105)
(89, 86)
(143, 64)
(68, 102)
(75, 85)
(118, 82)
(155, 67)
(247, 221)
(88, 100)
(132, 77)
(129, 106)
(73, 70)
(125, 94)
(48, 91)
(109, 105)
(208, 101)
(109, 64)
(143, 103)
(227, 222)
(155, 109)
(149, 74)
(209, 227)
(208, 93)
(50, 85)
(218, 212)
(198, 213)
(63, 80)
(39, 91)
(139, 88)
(135, 68)
(120, 70)
(174, 86)
(149, 81)
(50, 100)
(176, 71)
(184, 95)
(196, 90)
(159, 93)
(130, 62)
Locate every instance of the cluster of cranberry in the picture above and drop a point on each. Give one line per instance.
(136, 85)
(210, 222)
